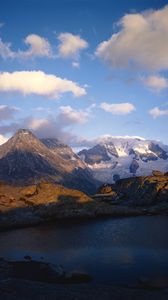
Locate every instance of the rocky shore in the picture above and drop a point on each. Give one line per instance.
(27, 279)
(24, 206)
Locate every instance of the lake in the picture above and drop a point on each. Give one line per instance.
(112, 251)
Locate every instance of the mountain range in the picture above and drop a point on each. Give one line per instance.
(26, 159)
(112, 158)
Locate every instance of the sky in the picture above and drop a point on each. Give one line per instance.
(80, 69)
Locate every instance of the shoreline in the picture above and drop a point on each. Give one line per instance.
(83, 212)
(24, 280)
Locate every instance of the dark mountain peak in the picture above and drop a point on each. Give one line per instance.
(23, 140)
(95, 154)
(26, 159)
(98, 153)
(23, 131)
(24, 134)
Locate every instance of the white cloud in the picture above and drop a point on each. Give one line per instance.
(76, 64)
(68, 115)
(38, 83)
(3, 139)
(37, 123)
(155, 82)
(49, 127)
(70, 45)
(37, 47)
(117, 108)
(142, 41)
(157, 112)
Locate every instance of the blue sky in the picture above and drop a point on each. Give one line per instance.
(78, 68)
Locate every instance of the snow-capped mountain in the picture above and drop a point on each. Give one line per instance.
(112, 158)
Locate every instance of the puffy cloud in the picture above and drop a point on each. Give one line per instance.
(69, 116)
(155, 82)
(66, 117)
(70, 45)
(157, 112)
(39, 83)
(58, 127)
(49, 127)
(37, 47)
(142, 41)
(117, 108)
(7, 112)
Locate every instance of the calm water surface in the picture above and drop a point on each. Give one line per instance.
(111, 250)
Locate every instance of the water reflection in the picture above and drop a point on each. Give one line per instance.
(110, 250)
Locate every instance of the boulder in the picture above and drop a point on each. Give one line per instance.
(105, 189)
(29, 191)
(157, 173)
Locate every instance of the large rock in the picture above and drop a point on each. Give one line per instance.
(144, 191)
(105, 189)
(29, 191)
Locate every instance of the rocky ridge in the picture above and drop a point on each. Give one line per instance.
(24, 159)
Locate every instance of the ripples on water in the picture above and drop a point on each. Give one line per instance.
(111, 250)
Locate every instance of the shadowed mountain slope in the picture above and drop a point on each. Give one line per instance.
(24, 159)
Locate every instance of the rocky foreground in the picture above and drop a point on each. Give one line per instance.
(24, 206)
(27, 279)
(30, 205)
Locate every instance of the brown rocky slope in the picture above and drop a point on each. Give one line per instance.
(20, 206)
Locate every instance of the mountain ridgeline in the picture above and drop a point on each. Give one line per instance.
(25, 159)
(113, 158)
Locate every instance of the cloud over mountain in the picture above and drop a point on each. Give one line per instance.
(59, 126)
